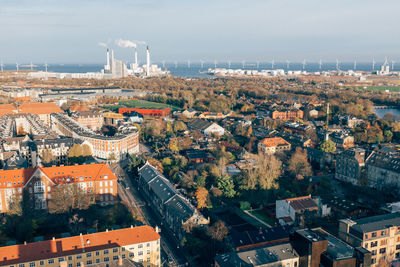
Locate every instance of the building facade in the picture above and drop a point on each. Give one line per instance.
(140, 245)
(378, 234)
(97, 180)
(90, 119)
(349, 165)
(104, 147)
(273, 144)
(287, 114)
(383, 169)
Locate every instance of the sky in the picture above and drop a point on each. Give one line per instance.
(68, 31)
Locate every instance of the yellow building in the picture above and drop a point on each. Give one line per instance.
(136, 244)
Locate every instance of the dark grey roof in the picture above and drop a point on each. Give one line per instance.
(377, 223)
(386, 161)
(148, 172)
(199, 124)
(337, 249)
(256, 236)
(180, 206)
(162, 188)
(257, 257)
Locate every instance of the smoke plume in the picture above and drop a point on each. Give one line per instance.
(128, 43)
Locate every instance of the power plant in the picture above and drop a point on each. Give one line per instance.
(113, 69)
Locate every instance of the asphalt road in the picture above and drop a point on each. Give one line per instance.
(169, 244)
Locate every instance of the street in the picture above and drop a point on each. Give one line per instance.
(139, 208)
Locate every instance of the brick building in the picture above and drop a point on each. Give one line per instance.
(287, 114)
(97, 179)
(136, 245)
(273, 144)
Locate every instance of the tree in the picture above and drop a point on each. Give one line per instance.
(47, 156)
(75, 151)
(225, 183)
(173, 145)
(112, 157)
(328, 146)
(264, 174)
(86, 150)
(67, 197)
(15, 204)
(298, 163)
(179, 126)
(388, 135)
(218, 231)
(201, 196)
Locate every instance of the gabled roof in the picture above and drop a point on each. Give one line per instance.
(274, 142)
(199, 124)
(302, 203)
(74, 245)
(148, 172)
(161, 188)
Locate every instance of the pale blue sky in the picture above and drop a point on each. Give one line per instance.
(66, 31)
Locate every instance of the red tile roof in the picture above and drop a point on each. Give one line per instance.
(59, 175)
(274, 142)
(39, 108)
(73, 245)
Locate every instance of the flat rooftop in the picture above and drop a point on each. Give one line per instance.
(375, 223)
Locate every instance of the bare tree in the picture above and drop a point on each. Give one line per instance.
(266, 171)
(218, 231)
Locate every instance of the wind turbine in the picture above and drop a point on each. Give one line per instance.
(272, 63)
(258, 64)
(287, 64)
(188, 63)
(2, 66)
(355, 64)
(337, 64)
(201, 63)
(215, 64)
(17, 66)
(229, 64)
(45, 66)
(393, 64)
(163, 64)
(304, 64)
(176, 64)
(320, 64)
(31, 66)
(373, 64)
(243, 63)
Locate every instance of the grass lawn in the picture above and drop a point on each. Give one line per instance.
(260, 214)
(381, 88)
(146, 104)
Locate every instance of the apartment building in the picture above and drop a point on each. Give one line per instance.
(103, 147)
(90, 119)
(349, 165)
(96, 179)
(287, 114)
(383, 169)
(297, 210)
(139, 245)
(273, 144)
(43, 110)
(378, 234)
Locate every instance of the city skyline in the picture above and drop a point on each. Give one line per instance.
(69, 31)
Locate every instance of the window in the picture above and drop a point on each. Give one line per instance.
(60, 259)
(148, 259)
(140, 253)
(115, 250)
(123, 249)
(21, 265)
(105, 251)
(111, 183)
(148, 245)
(148, 251)
(383, 233)
(97, 253)
(382, 251)
(88, 255)
(97, 260)
(106, 259)
(105, 183)
(69, 264)
(101, 183)
(131, 255)
(141, 260)
(78, 257)
(374, 244)
(373, 261)
(366, 245)
(39, 187)
(397, 246)
(115, 257)
(140, 246)
(89, 262)
(78, 264)
(373, 252)
(50, 261)
(123, 256)
(32, 264)
(41, 263)
(373, 234)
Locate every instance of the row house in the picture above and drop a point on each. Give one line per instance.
(96, 179)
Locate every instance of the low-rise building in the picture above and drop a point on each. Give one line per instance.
(97, 180)
(378, 234)
(273, 144)
(349, 165)
(206, 127)
(136, 244)
(149, 112)
(43, 110)
(287, 114)
(297, 210)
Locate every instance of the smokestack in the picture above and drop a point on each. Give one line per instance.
(136, 60)
(148, 62)
(108, 58)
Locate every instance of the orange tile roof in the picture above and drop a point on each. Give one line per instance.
(61, 247)
(274, 142)
(39, 108)
(59, 175)
(7, 106)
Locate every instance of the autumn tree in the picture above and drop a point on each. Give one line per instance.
(75, 151)
(218, 231)
(173, 145)
(15, 204)
(179, 126)
(86, 150)
(298, 164)
(47, 156)
(201, 196)
(264, 174)
(67, 197)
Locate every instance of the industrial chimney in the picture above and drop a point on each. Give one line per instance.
(148, 62)
(136, 60)
(108, 60)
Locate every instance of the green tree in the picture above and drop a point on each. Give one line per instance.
(179, 126)
(328, 146)
(227, 186)
(388, 135)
